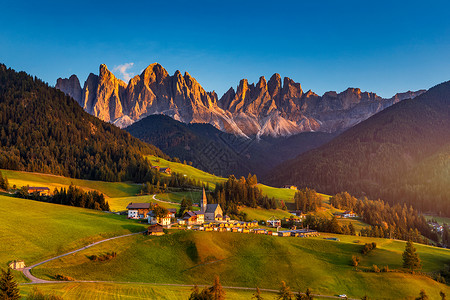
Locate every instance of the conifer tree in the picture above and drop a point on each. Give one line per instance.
(411, 258)
(8, 286)
(217, 291)
(257, 294)
(285, 292)
(443, 295)
(422, 296)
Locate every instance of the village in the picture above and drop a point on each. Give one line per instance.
(210, 217)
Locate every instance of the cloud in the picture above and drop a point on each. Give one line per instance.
(123, 69)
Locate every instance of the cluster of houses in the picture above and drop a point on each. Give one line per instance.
(436, 226)
(210, 217)
(207, 213)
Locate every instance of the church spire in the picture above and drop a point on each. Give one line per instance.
(204, 202)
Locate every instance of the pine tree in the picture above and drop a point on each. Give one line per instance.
(285, 292)
(217, 290)
(411, 258)
(8, 286)
(443, 295)
(257, 294)
(422, 296)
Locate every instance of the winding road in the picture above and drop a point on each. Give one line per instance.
(35, 280)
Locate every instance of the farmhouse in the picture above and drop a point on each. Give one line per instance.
(349, 214)
(291, 187)
(164, 221)
(156, 229)
(138, 210)
(273, 222)
(17, 264)
(213, 212)
(38, 189)
(165, 170)
(194, 218)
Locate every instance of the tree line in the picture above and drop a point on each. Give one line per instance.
(243, 191)
(72, 196)
(396, 221)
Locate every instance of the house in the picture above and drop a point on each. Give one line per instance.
(297, 213)
(38, 189)
(284, 233)
(17, 265)
(181, 222)
(349, 214)
(211, 211)
(156, 229)
(165, 170)
(164, 221)
(291, 187)
(138, 210)
(226, 218)
(172, 211)
(193, 218)
(273, 222)
(259, 231)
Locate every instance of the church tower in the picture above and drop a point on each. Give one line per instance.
(204, 203)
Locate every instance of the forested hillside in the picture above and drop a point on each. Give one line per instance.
(401, 155)
(219, 152)
(43, 130)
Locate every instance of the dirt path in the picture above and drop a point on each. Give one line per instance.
(27, 271)
(164, 201)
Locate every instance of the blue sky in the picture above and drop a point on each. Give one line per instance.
(383, 46)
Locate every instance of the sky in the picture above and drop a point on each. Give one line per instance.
(382, 46)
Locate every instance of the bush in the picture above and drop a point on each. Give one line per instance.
(355, 260)
(368, 247)
(60, 277)
(376, 269)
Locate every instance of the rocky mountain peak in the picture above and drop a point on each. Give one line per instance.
(271, 107)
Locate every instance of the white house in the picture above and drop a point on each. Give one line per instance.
(138, 210)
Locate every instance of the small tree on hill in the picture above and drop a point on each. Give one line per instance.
(8, 286)
(257, 295)
(285, 292)
(355, 260)
(422, 296)
(443, 296)
(411, 258)
(4, 184)
(217, 291)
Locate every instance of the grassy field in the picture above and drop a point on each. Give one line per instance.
(440, 220)
(110, 189)
(252, 260)
(195, 196)
(264, 214)
(32, 230)
(128, 291)
(187, 170)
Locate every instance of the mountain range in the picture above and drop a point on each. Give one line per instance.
(268, 108)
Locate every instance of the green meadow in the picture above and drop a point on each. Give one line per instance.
(33, 231)
(187, 170)
(252, 260)
(110, 189)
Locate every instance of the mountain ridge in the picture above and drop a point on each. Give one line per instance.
(268, 108)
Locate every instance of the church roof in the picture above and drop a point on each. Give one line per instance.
(211, 208)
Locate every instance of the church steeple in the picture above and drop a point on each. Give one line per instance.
(204, 202)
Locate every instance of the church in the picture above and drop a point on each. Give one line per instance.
(213, 212)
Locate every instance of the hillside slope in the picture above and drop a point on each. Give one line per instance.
(219, 152)
(402, 154)
(42, 130)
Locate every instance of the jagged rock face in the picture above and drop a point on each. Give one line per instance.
(70, 87)
(275, 108)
